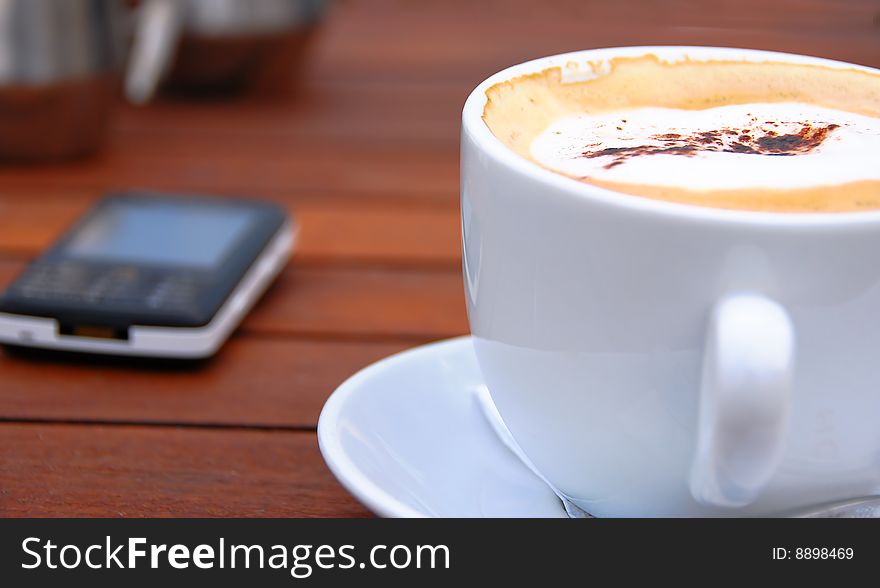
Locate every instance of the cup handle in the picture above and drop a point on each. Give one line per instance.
(745, 400)
(157, 29)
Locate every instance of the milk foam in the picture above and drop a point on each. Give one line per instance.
(724, 148)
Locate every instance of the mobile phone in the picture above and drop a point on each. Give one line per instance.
(149, 274)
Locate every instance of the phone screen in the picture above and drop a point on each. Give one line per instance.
(161, 233)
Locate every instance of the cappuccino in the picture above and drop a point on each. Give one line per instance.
(765, 136)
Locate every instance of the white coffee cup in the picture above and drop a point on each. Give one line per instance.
(661, 359)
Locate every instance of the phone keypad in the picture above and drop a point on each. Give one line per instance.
(127, 286)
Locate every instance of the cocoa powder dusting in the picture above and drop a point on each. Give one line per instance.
(728, 140)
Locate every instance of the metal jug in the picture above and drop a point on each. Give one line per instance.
(59, 64)
(217, 44)
(61, 61)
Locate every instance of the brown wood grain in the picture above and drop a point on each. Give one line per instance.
(128, 471)
(463, 41)
(253, 382)
(337, 112)
(251, 169)
(332, 229)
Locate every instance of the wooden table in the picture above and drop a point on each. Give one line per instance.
(366, 154)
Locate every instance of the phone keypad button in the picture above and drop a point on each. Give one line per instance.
(177, 293)
(55, 281)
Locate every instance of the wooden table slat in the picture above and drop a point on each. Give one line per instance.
(128, 471)
(276, 382)
(331, 231)
(369, 173)
(490, 35)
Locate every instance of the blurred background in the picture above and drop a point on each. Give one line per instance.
(347, 114)
(357, 100)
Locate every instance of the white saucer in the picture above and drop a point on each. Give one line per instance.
(408, 438)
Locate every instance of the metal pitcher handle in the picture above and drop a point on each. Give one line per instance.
(157, 27)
